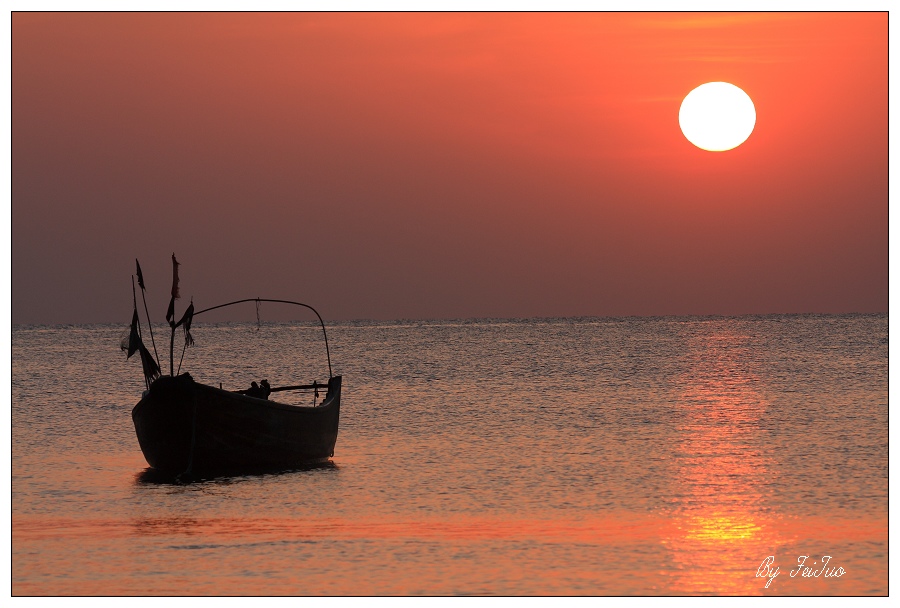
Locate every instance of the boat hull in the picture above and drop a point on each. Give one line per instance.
(183, 426)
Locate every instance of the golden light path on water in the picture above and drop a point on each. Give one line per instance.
(725, 519)
(723, 527)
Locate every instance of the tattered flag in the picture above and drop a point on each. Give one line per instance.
(170, 314)
(131, 342)
(151, 369)
(140, 274)
(186, 321)
(175, 265)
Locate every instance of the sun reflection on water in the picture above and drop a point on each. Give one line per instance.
(723, 526)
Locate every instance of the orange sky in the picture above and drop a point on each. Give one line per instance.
(446, 165)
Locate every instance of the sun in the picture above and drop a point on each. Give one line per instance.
(717, 116)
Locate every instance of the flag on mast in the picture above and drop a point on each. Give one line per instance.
(186, 322)
(175, 265)
(132, 342)
(170, 313)
(140, 274)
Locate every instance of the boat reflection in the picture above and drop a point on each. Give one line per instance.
(169, 526)
(723, 525)
(153, 477)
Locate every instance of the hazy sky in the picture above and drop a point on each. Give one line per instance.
(392, 166)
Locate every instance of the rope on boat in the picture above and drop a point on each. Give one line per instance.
(258, 300)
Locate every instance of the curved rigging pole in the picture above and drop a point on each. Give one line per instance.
(257, 300)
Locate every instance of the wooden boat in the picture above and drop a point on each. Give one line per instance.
(184, 426)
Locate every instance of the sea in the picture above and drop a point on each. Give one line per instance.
(737, 456)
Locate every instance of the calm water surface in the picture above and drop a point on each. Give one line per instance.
(570, 456)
